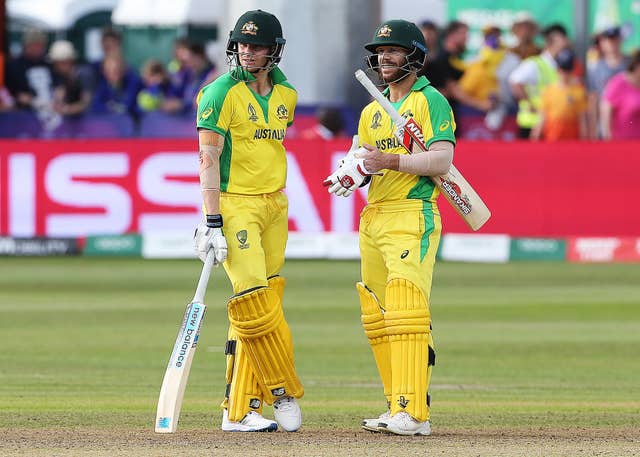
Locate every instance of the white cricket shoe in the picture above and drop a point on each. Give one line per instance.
(252, 422)
(372, 425)
(404, 424)
(287, 412)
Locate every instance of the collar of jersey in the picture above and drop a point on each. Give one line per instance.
(276, 75)
(420, 84)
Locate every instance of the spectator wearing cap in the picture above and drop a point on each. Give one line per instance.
(620, 103)
(445, 71)
(70, 95)
(28, 76)
(535, 73)
(525, 29)
(431, 35)
(563, 110)
(610, 62)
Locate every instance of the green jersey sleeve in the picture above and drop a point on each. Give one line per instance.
(441, 115)
(214, 107)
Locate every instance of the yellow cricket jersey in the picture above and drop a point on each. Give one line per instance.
(253, 159)
(433, 113)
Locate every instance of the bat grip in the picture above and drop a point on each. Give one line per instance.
(204, 277)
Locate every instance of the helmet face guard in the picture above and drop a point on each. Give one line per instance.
(273, 58)
(258, 28)
(414, 61)
(403, 34)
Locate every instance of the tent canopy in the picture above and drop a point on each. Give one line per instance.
(54, 14)
(166, 13)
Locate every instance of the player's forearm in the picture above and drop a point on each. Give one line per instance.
(436, 161)
(211, 201)
(209, 157)
(210, 186)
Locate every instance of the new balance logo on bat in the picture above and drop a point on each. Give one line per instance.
(189, 336)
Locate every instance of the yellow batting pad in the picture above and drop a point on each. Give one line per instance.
(277, 283)
(373, 324)
(407, 322)
(258, 320)
(243, 393)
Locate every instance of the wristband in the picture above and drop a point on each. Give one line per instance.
(214, 220)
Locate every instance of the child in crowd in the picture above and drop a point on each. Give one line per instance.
(564, 104)
(157, 89)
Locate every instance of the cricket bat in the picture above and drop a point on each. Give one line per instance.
(177, 374)
(455, 188)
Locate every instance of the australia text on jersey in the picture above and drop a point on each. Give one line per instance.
(269, 134)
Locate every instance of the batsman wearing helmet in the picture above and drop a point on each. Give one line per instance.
(242, 119)
(400, 226)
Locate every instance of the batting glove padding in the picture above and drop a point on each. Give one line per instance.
(333, 180)
(348, 177)
(352, 152)
(206, 238)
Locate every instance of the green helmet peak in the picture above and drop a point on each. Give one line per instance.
(397, 32)
(257, 27)
(405, 34)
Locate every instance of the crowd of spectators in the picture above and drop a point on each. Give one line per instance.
(545, 92)
(550, 92)
(52, 83)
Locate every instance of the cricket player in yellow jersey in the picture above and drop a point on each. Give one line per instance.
(242, 119)
(400, 226)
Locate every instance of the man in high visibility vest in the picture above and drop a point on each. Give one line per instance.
(535, 73)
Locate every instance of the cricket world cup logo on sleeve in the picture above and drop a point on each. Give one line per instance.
(375, 121)
(188, 337)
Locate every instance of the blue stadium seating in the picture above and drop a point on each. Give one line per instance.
(19, 124)
(161, 125)
(96, 126)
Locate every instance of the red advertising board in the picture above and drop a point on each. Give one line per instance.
(609, 249)
(78, 188)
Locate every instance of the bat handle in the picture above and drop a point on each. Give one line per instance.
(362, 77)
(204, 277)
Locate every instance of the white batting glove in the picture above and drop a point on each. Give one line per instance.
(348, 178)
(351, 154)
(347, 159)
(208, 236)
(335, 180)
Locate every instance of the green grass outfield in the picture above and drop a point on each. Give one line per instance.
(85, 342)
